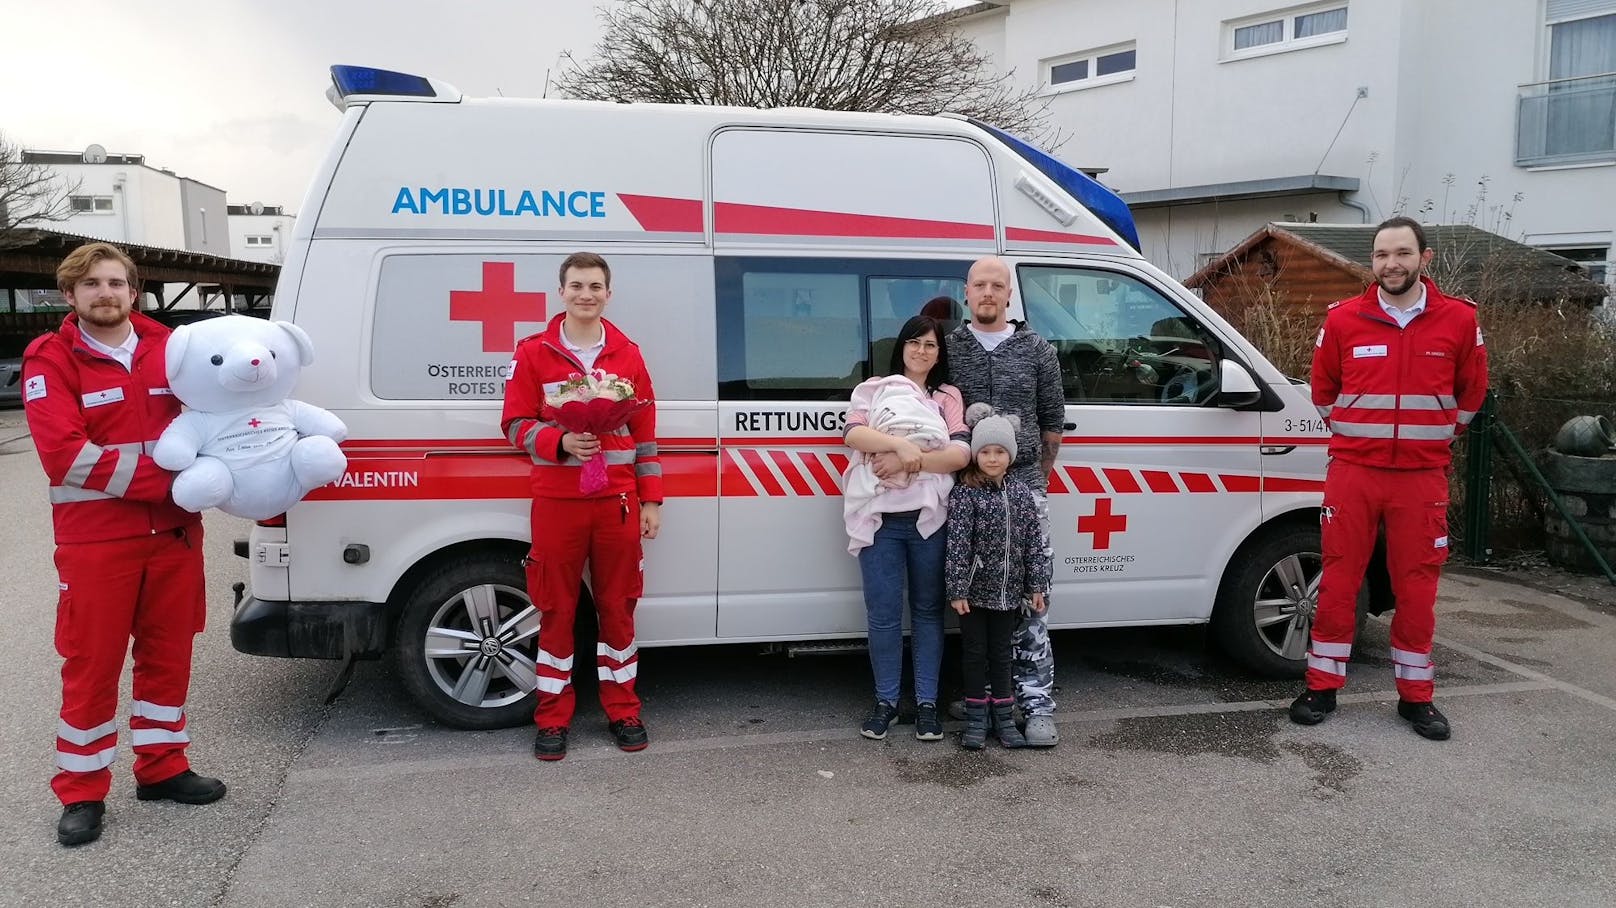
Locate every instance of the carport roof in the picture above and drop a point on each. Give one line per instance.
(28, 260)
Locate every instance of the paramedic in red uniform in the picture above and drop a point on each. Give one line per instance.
(569, 527)
(128, 560)
(1398, 372)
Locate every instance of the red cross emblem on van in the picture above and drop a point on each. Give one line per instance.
(498, 305)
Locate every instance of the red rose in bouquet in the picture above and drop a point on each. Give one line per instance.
(598, 403)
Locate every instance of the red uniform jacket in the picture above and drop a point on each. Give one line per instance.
(94, 424)
(543, 363)
(1395, 397)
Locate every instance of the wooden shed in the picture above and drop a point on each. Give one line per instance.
(1313, 265)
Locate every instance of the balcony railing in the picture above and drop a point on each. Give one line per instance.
(1566, 121)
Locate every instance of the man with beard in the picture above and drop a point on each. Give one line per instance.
(128, 560)
(1398, 372)
(1005, 364)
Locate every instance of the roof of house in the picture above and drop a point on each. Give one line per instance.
(1469, 261)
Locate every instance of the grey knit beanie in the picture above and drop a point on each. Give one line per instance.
(990, 428)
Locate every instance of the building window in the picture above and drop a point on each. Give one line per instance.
(90, 204)
(1571, 118)
(1595, 260)
(1285, 30)
(260, 241)
(1104, 66)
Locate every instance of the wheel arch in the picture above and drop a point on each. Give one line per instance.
(423, 567)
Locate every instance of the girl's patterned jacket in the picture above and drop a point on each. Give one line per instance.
(995, 557)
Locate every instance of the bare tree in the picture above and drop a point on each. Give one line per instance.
(886, 56)
(31, 195)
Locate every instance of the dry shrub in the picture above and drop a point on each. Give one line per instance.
(1547, 363)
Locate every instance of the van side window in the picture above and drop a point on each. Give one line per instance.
(813, 328)
(1120, 341)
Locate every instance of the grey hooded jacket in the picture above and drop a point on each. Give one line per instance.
(1021, 376)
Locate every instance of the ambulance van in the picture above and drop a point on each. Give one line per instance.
(764, 261)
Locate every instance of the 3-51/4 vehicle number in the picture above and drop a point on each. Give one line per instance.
(1304, 425)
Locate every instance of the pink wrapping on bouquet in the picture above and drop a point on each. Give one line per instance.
(598, 404)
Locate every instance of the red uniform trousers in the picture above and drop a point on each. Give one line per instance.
(151, 588)
(604, 531)
(1414, 506)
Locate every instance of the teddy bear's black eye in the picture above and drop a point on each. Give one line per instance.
(217, 360)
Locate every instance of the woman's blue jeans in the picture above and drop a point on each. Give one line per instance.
(900, 554)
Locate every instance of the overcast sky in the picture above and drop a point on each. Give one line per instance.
(232, 92)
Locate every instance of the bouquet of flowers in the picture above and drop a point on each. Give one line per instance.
(596, 403)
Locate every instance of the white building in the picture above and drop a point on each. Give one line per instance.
(1214, 117)
(259, 233)
(122, 199)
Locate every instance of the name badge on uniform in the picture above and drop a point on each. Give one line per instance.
(551, 387)
(156, 392)
(1368, 350)
(102, 398)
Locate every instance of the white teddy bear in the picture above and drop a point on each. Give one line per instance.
(241, 446)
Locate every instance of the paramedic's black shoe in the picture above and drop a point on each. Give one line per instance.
(630, 734)
(185, 788)
(927, 726)
(1427, 720)
(80, 822)
(551, 743)
(879, 720)
(1312, 706)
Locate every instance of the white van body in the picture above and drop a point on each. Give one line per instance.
(764, 261)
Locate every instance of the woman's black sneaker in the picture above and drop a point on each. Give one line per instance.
(927, 726)
(879, 720)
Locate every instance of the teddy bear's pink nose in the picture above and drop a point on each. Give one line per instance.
(255, 362)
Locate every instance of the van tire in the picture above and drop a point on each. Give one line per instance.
(440, 600)
(1259, 568)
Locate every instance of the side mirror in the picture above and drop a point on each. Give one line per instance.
(1236, 387)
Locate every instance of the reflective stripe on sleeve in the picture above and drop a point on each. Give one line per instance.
(618, 655)
(86, 762)
(645, 449)
(1465, 416)
(145, 709)
(1325, 411)
(67, 494)
(85, 736)
(621, 675)
(89, 455)
(124, 472)
(648, 469)
(1332, 650)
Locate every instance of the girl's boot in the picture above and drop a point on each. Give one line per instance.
(975, 735)
(1004, 723)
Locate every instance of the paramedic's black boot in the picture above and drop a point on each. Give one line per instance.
(1004, 723)
(975, 735)
(80, 822)
(1312, 706)
(185, 788)
(629, 734)
(551, 743)
(1427, 720)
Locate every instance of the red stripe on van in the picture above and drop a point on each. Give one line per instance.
(1122, 480)
(663, 215)
(764, 220)
(839, 461)
(1198, 482)
(733, 483)
(1056, 487)
(1159, 481)
(765, 478)
(1283, 484)
(1055, 236)
(1085, 481)
(816, 468)
(1237, 483)
(788, 468)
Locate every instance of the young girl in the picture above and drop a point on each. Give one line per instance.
(995, 562)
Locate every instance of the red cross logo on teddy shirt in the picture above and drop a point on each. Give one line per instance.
(254, 422)
(498, 305)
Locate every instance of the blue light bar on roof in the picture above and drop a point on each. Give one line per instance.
(363, 80)
(1101, 202)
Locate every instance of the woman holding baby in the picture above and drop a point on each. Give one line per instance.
(909, 428)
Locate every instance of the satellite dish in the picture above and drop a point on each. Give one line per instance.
(255, 207)
(95, 154)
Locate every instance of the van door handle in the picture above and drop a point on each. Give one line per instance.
(1069, 426)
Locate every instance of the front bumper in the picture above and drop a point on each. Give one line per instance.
(310, 630)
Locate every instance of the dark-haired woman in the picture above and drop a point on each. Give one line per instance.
(909, 427)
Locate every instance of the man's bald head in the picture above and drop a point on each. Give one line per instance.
(987, 292)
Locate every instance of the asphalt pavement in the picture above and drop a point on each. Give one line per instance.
(1178, 780)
